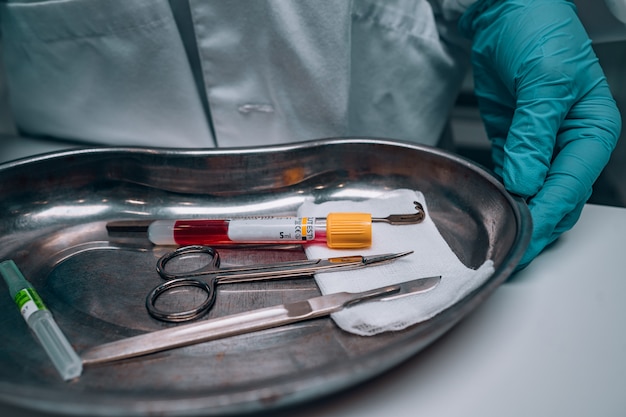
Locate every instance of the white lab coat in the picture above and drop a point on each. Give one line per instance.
(203, 73)
(231, 73)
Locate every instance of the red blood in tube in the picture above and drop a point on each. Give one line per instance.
(201, 232)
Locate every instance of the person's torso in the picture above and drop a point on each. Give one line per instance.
(229, 73)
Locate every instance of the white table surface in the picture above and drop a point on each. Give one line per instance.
(549, 342)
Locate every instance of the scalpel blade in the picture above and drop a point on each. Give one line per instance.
(246, 322)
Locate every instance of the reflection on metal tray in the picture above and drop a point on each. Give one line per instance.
(55, 209)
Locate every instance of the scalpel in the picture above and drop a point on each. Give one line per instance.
(247, 322)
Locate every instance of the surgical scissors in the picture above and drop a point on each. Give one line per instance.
(213, 274)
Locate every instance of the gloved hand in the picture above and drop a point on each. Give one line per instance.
(546, 107)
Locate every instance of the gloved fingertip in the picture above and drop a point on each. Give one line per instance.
(521, 266)
(523, 184)
(524, 170)
(530, 254)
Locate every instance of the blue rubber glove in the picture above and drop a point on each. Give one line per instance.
(546, 107)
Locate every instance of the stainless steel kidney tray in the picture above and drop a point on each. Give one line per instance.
(54, 211)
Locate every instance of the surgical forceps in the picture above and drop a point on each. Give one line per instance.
(213, 274)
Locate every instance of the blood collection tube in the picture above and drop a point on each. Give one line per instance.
(337, 230)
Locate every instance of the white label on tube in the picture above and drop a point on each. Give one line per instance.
(289, 229)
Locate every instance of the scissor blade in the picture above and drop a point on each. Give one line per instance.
(305, 267)
(246, 322)
(384, 258)
(355, 261)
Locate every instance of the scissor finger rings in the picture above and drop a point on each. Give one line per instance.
(184, 315)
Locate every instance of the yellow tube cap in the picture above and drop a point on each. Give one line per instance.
(349, 230)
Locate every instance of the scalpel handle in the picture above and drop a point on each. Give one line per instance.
(189, 334)
(221, 327)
